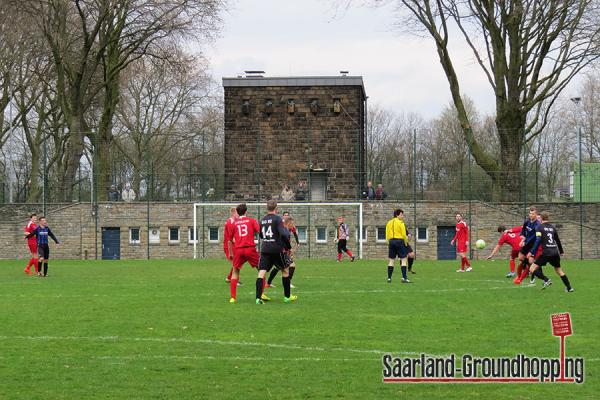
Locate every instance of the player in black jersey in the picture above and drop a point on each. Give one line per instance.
(288, 222)
(546, 235)
(275, 240)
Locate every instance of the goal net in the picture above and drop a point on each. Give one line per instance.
(316, 224)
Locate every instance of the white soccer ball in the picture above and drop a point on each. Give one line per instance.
(480, 244)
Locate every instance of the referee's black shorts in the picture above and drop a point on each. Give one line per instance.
(397, 248)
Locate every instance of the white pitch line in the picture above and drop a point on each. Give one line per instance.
(198, 341)
(410, 290)
(235, 358)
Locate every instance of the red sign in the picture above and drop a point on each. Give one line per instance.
(561, 324)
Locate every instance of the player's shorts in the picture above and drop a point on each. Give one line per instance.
(397, 248)
(461, 247)
(33, 248)
(245, 254)
(552, 259)
(288, 259)
(514, 253)
(526, 248)
(341, 245)
(270, 260)
(44, 251)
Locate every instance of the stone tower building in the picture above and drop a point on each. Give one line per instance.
(306, 132)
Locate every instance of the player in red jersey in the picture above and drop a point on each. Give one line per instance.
(244, 229)
(512, 238)
(462, 243)
(32, 243)
(228, 240)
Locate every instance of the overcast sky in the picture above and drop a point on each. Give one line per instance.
(296, 38)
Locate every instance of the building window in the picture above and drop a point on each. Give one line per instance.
(422, 234)
(154, 236)
(337, 106)
(364, 235)
(381, 234)
(192, 235)
(246, 106)
(321, 234)
(213, 234)
(174, 234)
(134, 235)
(291, 106)
(302, 234)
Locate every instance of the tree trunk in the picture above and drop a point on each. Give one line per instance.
(34, 186)
(74, 152)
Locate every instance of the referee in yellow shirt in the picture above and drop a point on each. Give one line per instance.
(395, 234)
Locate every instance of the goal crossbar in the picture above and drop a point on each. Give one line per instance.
(302, 204)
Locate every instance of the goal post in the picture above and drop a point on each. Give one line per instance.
(308, 215)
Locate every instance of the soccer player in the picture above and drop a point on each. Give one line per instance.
(32, 244)
(395, 234)
(42, 233)
(342, 235)
(244, 229)
(527, 241)
(411, 253)
(288, 222)
(461, 238)
(547, 236)
(512, 238)
(275, 239)
(228, 241)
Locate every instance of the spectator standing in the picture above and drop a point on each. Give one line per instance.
(369, 192)
(113, 193)
(380, 194)
(301, 191)
(128, 194)
(287, 194)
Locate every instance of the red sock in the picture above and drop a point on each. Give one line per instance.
(230, 272)
(233, 288)
(524, 273)
(462, 263)
(349, 253)
(339, 257)
(512, 265)
(28, 267)
(467, 262)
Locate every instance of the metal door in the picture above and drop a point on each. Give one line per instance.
(444, 236)
(111, 243)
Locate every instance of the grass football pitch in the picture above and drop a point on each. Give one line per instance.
(164, 329)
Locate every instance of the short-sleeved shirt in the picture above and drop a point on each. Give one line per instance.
(244, 229)
(511, 237)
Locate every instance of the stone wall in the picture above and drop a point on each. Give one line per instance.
(282, 147)
(75, 227)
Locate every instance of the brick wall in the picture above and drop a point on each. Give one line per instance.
(256, 149)
(75, 227)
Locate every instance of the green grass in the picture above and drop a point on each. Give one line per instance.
(165, 330)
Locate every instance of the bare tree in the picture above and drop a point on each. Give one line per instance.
(528, 50)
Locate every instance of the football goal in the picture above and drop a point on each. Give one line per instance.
(316, 225)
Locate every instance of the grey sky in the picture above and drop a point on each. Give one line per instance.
(285, 37)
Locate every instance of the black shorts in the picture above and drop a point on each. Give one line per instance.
(288, 259)
(552, 259)
(397, 248)
(44, 251)
(527, 248)
(342, 246)
(270, 260)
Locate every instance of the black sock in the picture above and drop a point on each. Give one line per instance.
(390, 272)
(45, 268)
(292, 270)
(259, 287)
(403, 269)
(566, 282)
(410, 263)
(40, 264)
(538, 272)
(285, 281)
(272, 276)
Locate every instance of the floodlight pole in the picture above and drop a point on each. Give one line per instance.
(577, 100)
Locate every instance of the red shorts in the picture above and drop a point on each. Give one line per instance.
(245, 254)
(461, 247)
(514, 254)
(32, 247)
